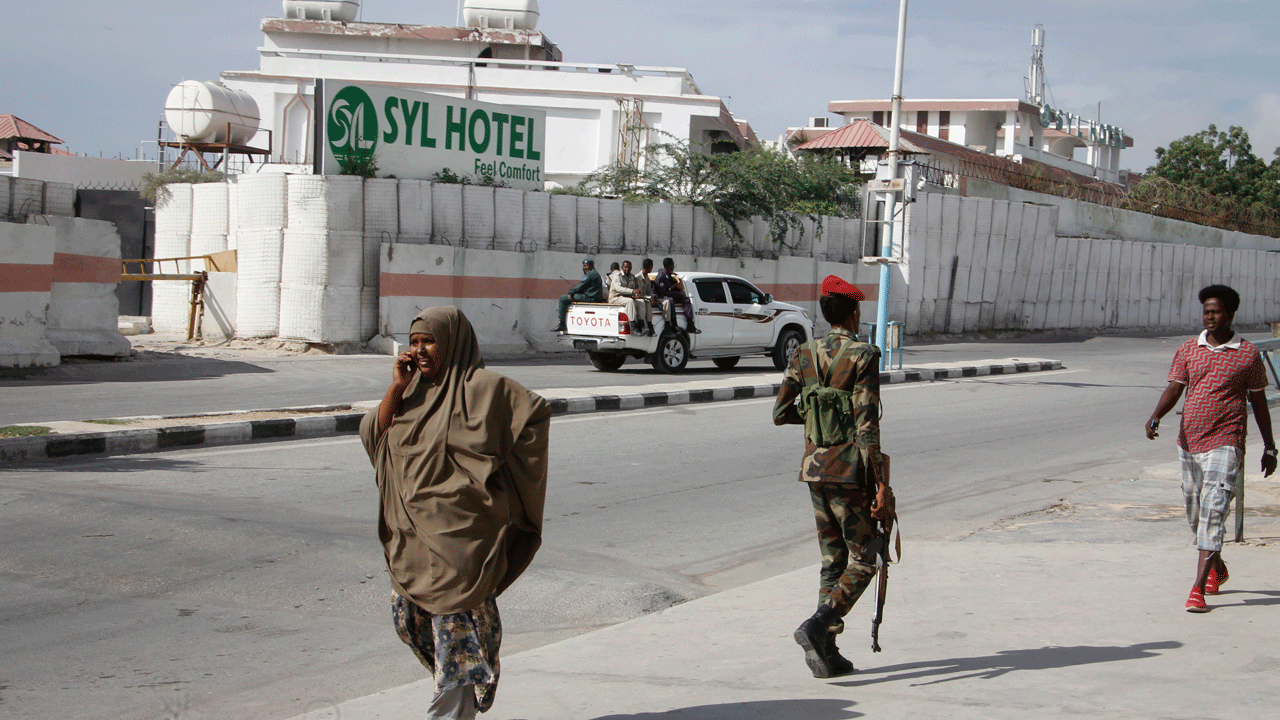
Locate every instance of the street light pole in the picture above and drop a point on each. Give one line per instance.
(891, 197)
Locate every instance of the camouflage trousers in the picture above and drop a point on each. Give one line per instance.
(459, 649)
(847, 537)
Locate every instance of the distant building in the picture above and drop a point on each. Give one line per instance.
(18, 134)
(596, 114)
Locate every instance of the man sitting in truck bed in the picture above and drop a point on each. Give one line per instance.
(588, 289)
(624, 290)
(667, 285)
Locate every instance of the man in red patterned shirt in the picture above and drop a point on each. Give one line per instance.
(1218, 370)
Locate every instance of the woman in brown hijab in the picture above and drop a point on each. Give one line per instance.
(461, 459)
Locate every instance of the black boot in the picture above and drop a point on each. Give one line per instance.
(692, 330)
(814, 635)
(840, 665)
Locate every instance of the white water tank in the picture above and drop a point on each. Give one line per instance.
(340, 10)
(501, 14)
(202, 111)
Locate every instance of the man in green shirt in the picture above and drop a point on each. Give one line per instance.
(588, 289)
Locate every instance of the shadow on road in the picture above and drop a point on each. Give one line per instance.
(758, 710)
(988, 667)
(148, 367)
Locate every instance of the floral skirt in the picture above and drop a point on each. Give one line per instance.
(459, 649)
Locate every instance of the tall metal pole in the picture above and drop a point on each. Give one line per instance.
(891, 197)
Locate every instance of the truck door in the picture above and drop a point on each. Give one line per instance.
(753, 321)
(712, 313)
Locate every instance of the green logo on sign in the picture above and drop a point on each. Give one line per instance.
(353, 124)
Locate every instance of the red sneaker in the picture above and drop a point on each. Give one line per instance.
(1215, 580)
(1195, 602)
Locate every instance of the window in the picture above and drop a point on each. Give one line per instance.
(743, 293)
(710, 291)
(944, 124)
(877, 117)
(922, 122)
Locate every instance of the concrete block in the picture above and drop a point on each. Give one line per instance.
(446, 213)
(262, 201)
(27, 198)
(537, 222)
(660, 228)
(331, 202)
(564, 223)
(587, 225)
(218, 324)
(704, 233)
(83, 308)
(610, 230)
(414, 210)
(682, 229)
(508, 218)
(478, 216)
(60, 199)
(635, 227)
(6, 196)
(381, 206)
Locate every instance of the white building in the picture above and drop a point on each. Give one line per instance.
(592, 110)
(1014, 129)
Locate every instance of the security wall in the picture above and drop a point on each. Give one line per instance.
(977, 264)
(310, 249)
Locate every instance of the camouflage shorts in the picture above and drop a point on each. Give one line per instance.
(459, 649)
(846, 536)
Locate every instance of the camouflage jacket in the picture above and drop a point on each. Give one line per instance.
(859, 373)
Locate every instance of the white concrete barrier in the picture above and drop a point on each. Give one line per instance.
(262, 201)
(682, 230)
(587, 225)
(415, 211)
(611, 227)
(381, 206)
(564, 223)
(326, 202)
(27, 198)
(26, 279)
(508, 218)
(635, 223)
(446, 213)
(83, 308)
(537, 222)
(478, 216)
(660, 228)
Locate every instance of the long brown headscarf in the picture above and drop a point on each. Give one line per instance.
(462, 474)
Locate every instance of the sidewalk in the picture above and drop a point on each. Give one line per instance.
(142, 434)
(1074, 611)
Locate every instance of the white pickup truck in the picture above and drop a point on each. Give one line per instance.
(736, 318)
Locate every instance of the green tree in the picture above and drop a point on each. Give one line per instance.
(734, 187)
(1221, 163)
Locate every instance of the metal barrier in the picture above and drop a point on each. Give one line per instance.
(894, 351)
(145, 273)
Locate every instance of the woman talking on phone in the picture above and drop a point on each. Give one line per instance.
(460, 455)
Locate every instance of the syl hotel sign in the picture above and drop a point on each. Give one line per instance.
(417, 135)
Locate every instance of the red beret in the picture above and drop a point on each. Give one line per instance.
(837, 286)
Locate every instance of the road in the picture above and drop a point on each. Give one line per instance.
(247, 582)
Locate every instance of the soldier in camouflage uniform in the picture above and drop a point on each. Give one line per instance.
(846, 499)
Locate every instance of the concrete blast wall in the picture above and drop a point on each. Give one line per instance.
(57, 291)
(310, 247)
(510, 297)
(987, 264)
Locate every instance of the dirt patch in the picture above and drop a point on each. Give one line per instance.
(157, 347)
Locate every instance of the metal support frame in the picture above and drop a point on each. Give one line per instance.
(891, 198)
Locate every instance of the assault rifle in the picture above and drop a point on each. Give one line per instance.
(883, 531)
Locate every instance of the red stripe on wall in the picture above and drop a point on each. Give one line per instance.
(71, 268)
(16, 277)
(454, 286)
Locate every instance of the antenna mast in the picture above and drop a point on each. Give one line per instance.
(1036, 91)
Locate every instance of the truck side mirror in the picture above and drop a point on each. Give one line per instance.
(768, 298)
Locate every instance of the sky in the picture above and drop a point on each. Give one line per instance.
(96, 74)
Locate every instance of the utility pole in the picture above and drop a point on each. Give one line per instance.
(891, 197)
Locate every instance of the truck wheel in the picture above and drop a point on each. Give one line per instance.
(726, 363)
(788, 342)
(607, 362)
(672, 354)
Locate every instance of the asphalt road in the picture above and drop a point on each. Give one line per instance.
(247, 582)
(223, 380)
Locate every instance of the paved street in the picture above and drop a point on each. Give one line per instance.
(247, 582)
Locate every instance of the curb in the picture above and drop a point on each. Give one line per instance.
(148, 440)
